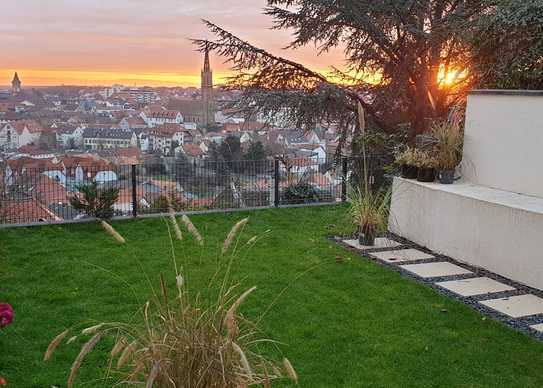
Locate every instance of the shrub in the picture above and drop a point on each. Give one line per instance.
(301, 192)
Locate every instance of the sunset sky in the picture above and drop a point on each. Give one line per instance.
(142, 42)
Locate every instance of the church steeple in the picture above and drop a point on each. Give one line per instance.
(16, 84)
(207, 66)
(208, 111)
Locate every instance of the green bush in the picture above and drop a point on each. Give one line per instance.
(301, 192)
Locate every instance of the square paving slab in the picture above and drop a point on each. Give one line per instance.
(475, 286)
(538, 327)
(401, 255)
(380, 242)
(433, 270)
(516, 306)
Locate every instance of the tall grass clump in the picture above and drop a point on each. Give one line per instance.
(182, 338)
(369, 210)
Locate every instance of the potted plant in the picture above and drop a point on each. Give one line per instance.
(427, 167)
(405, 161)
(448, 141)
(369, 212)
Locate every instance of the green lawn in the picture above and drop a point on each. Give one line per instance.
(351, 324)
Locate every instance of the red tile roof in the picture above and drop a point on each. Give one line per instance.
(27, 211)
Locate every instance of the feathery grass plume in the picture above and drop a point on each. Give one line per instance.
(232, 235)
(112, 232)
(127, 352)
(243, 359)
(92, 329)
(118, 347)
(175, 225)
(179, 281)
(230, 318)
(192, 229)
(81, 356)
(290, 370)
(54, 344)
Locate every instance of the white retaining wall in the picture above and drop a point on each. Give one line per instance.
(493, 229)
(503, 145)
(493, 218)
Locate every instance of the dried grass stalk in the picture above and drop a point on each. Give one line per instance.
(81, 356)
(290, 370)
(112, 232)
(232, 235)
(127, 352)
(92, 329)
(118, 347)
(72, 339)
(54, 344)
(243, 359)
(153, 375)
(192, 229)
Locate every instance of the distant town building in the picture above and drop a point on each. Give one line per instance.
(105, 138)
(208, 109)
(20, 133)
(154, 117)
(16, 85)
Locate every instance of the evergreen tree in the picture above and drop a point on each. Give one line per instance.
(406, 61)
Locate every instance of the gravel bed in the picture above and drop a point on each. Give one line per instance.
(520, 324)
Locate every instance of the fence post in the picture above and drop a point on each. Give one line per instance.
(344, 179)
(134, 192)
(276, 179)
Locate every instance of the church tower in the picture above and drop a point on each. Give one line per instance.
(16, 85)
(208, 110)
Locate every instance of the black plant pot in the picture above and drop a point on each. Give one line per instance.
(366, 239)
(409, 172)
(445, 177)
(426, 174)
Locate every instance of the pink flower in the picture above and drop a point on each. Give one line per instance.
(3, 381)
(6, 314)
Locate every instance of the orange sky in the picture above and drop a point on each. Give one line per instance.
(141, 42)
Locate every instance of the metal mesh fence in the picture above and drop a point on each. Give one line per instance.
(43, 195)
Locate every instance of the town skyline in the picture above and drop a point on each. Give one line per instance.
(131, 42)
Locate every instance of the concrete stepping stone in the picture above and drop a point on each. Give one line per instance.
(475, 286)
(516, 306)
(401, 255)
(434, 270)
(380, 242)
(538, 327)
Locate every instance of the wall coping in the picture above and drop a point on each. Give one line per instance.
(485, 194)
(505, 92)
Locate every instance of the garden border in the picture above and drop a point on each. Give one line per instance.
(521, 324)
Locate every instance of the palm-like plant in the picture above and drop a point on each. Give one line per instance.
(96, 202)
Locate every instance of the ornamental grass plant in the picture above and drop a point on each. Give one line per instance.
(186, 338)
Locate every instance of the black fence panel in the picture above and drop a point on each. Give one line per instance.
(43, 195)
